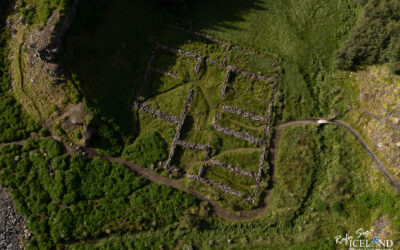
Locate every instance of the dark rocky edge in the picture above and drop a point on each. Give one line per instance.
(12, 225)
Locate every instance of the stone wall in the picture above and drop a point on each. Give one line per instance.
(189, 99)
(240, 135)
(232, 168)
(244, 114)
(157, 113)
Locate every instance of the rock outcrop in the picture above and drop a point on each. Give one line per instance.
(12, 225)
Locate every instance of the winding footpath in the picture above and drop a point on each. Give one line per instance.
(374, 157)
(220, 211)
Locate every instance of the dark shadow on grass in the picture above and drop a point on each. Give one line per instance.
(110, 43)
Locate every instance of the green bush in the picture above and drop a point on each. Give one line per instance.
(51, 147)
(72, 198)
(375, 39)
(39, 11)
(146, 150)
(107, 140)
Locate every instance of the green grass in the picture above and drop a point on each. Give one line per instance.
(77, 198)
(14, 121)
(243, 158)
(245, 122)
(235, 181)
(304, 34)
(323, 185)
(250, 95)
(261, 64)
(38, 11)
(172, 106)
(184, 158)
(293, 171)
(149, 124)
(194, 43)
(235, 125)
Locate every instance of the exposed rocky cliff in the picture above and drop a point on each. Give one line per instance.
(378, 116)
(37, 80)
(12, 226)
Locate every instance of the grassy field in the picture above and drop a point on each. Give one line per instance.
(323, 182)
(324, 187)
(168, 93)
(15, 123)
(304, 34)
(296, 38)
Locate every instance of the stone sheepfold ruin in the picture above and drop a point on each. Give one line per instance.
(179, 121)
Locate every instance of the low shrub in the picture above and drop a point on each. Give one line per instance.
(146, 150)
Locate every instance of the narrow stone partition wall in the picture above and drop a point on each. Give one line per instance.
(222, 187)
(228, 75)
(223, 91)
(167, 72)
(146, 75)
(179, 51)
(202, 170)
(240, 135)
(230, 68)
(157, 113)
(200, 61)
(189, 99)
(228, 50)
(192, 145)
(211, 61)
(267, 132)
(243, 113)
(232, 168)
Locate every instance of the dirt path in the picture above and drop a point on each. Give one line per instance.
(245, 215)
(380, 166)
(374, 157)
(220, 211)
(77, 108)
(21, 142)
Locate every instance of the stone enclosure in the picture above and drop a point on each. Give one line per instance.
(200, 64)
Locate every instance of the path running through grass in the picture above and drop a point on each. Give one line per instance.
(220, 211)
